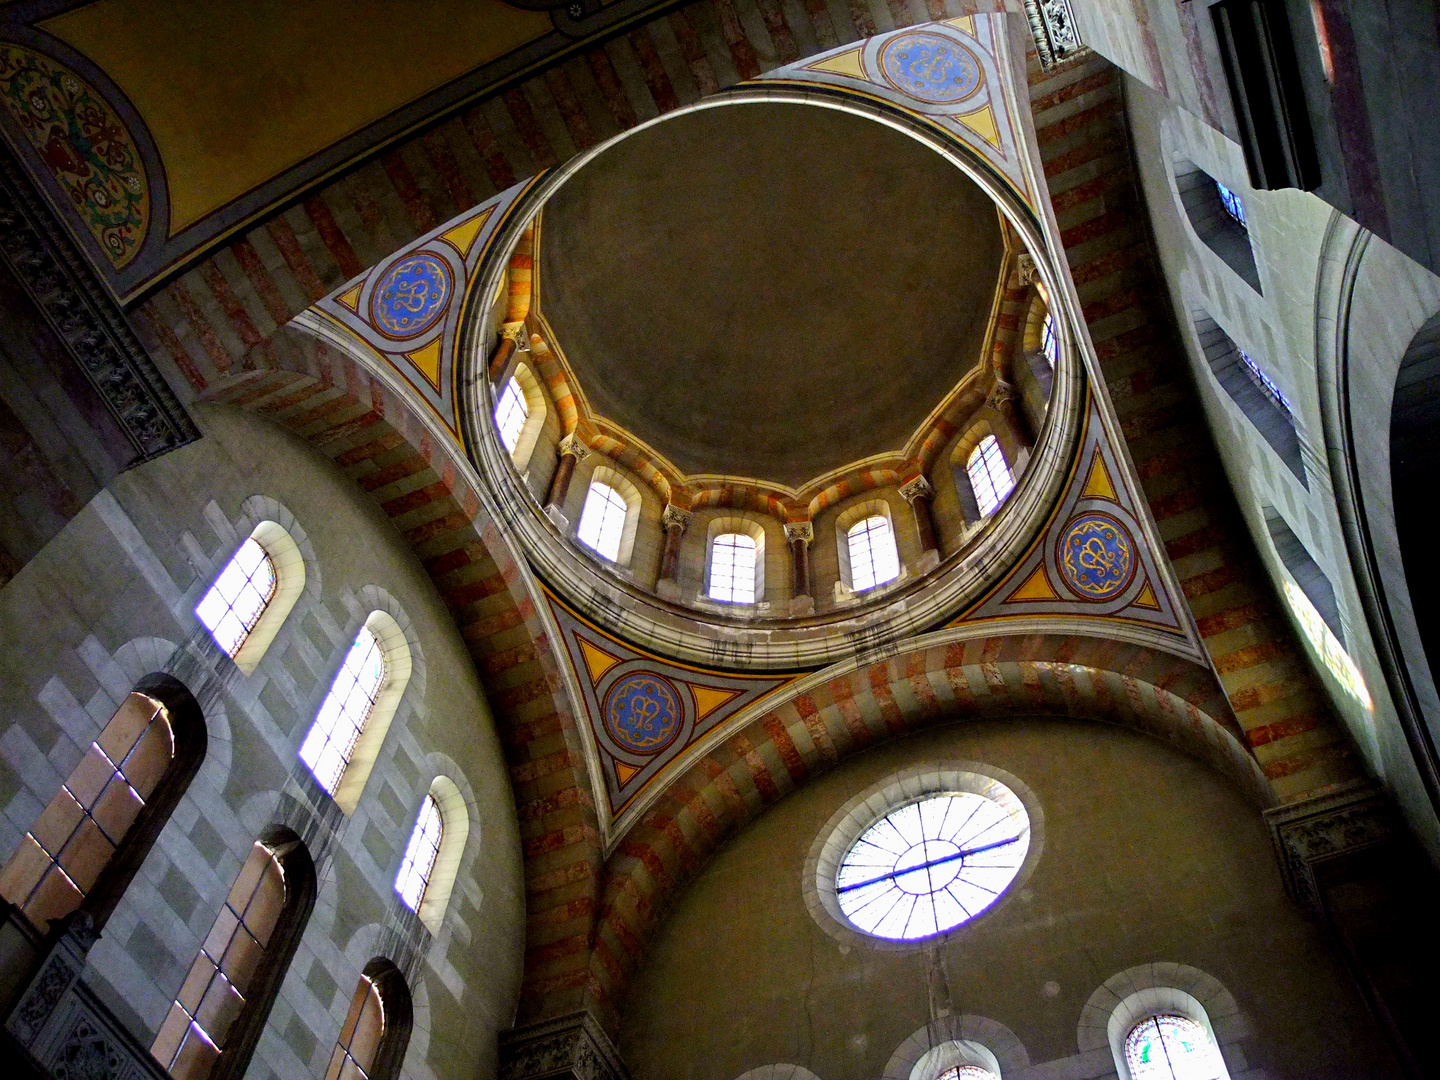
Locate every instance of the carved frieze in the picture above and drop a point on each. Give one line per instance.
(1310, 833)
(570, 1047)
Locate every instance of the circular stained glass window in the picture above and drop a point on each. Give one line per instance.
(1172, 1048)
(967, 1072)
(930, 865)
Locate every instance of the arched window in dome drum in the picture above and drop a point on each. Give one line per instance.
(873, 557)
(966, 1072)
(377, 1028)
(511, 412)
(341, 720)
(420, 854)
(234, 603)
(1049, 345)
(990, 476)
(732, 568)
(1170, 1047)
(602, 521)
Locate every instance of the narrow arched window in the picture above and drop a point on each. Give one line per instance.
(602, 521)
(1231, 202)
(92, 837)
(732, 568)
(511, 413)
(234, 603)
(1172, 1048)
(1049, 344)
(377, 1027)
(420, 854)
(990, 477)
(217, 1017)
(342, 716)
(873, 558)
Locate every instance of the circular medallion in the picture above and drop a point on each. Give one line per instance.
(642, 713)
(930, 67)
(1097, 556)
(411, 296)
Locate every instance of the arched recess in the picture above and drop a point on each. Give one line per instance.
(373, 435)
(944, 680)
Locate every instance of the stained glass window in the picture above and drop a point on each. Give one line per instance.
(61, 857)
(732, 569)
(966, 1072)
(873, 558)
(1264, 383)
(602, 521)
(990, 477)
(1228, 199)
(341, 719)
(1172, 1048)
(234, 604)
(511, 413)
(354, 1054)
(931, 865)
(420, 854)
(1049, 344)
(224, 972)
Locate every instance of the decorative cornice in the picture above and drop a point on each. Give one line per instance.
(1327, 827)
(570, 1047)
(800, 530)
(918, 488)
(673, 515)
(93, 330)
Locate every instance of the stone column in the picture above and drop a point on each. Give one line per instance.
(676, 521)
(918, 493)
(799, 534)
(1003, 399)
(572, 451)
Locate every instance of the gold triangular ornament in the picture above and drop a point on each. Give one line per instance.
(350, 298)
(1037, 587)
(463, 235)
(597, 660)
(710, 698)
(964, 22)
(1098, 485)
(625, 773)
(982, 123)
(427, 362)
(849, 63)
(1146, 599)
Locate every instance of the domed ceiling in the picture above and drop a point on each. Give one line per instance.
(769, 290)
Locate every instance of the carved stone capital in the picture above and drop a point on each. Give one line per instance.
(1025, 265)
(799, 530)
(571, 445)
(1052, 24)
(673, 515)
(1000, 393)
(917, 488)
(1310, 833)
(571, 1047)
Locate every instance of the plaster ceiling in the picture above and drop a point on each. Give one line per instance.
(769, 290)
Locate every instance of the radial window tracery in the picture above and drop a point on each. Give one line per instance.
(1172, 1048)
(602, 521)
(990, 476)
(341, 719)
(234, 603)
(873, 558)
(511, 412)
(420, 854)
(732, 568)
(931, 865)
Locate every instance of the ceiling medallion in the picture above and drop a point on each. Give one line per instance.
(642, 713)
(931, 67)
(1096, 556)
(411, 296)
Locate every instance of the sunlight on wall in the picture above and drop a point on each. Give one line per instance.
(1332, 653)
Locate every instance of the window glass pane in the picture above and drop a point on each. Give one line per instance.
(420, 855)
(341, 719)
(873, 558)
(602, 521)
(1228, 199)
(1172, 1048)
(1049, 345)
(510, 414)
(930, 865)
(966, 1072)
(234, 604)
(360, 1037)
(990, 477)
(1264, 383)
(732, 569)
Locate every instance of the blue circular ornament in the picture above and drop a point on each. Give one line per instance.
(930, 67)
(1096, 556)
(642, 713)
(411, 296)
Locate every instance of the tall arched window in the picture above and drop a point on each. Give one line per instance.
(342, 716)
(874, 559)
(89, 841)
(239, 596)
(377, 1028)
(732, 568)
(511, 413)
(420, 854)
(1171, 1047)
(990, 476)
(602, 521)
(1049, 344)
(216, 1019)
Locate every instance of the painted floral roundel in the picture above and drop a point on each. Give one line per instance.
(1097, 556)
(411, 295)
(930, 67)
(642, 713)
